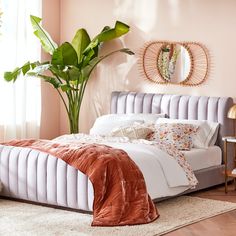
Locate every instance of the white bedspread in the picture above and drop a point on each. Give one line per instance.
(162, 173)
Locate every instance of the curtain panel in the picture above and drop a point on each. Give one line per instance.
(20, 102)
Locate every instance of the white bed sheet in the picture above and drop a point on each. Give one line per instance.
(200, 158)
(154, 174)
(159, 171)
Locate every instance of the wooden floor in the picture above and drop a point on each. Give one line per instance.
(222, 225)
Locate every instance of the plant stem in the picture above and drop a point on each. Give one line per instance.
(64, 102)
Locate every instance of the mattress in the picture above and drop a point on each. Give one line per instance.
(204, 158)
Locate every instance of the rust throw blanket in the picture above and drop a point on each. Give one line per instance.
(120, 194)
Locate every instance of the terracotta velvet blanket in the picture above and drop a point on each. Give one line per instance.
(120, 194)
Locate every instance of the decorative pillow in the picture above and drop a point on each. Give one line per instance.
(105, 124)
(135, 131)
(178, 135)
(206, 134)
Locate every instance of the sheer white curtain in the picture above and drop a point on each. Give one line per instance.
(20, 103)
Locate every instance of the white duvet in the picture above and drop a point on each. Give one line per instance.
(163, 174)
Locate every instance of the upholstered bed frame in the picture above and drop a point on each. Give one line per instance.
(41, 178)
(183, 107)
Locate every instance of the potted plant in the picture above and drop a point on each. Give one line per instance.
(71, 64)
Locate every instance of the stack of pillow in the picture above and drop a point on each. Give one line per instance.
(182, 134)
(136, 126)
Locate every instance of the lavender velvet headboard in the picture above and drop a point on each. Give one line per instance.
(177, 107)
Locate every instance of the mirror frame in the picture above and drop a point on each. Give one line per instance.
(149, 54)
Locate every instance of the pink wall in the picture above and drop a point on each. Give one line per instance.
(211, 22)
(50, 119)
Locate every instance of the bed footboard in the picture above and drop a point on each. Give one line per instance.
(39, 177)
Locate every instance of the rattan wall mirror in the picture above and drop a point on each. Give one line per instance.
(183, 63)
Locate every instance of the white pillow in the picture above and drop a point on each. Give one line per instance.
(206, 134)
(105, 124)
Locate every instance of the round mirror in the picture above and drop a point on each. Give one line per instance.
(174, 62)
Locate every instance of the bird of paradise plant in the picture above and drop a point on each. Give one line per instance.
(71, 64)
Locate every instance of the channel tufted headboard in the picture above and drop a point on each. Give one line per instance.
(177, 107)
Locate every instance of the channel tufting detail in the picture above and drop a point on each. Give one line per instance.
(36, 176)
(177, 107)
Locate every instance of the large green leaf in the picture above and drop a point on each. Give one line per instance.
(92, 51)
(65, 55)
(80, 41)
(108, 34)
(46, 41)
(13, 75)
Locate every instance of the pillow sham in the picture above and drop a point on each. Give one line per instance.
(135, 131)
(103, 125)
(178, 135)
(206, 134)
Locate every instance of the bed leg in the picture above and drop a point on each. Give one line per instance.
(226, 185)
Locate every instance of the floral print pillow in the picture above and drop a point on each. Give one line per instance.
(178, 135)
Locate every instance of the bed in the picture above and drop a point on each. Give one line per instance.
(38, 177)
